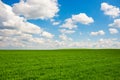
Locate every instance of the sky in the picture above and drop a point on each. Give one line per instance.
(53, 24)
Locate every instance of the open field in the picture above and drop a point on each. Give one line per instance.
(79, 64)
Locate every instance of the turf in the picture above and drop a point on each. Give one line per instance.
(79, 64)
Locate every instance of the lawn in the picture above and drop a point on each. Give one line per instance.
(74, 64)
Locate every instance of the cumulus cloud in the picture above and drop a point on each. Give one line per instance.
(9, 20)
(36, 9)
(66, 31)
(56, 23)
(110, 10)
(101, 43)
(47, 34)
(82, 18)
(113, 31)
(15, 38)
(69, 24)
(65, 37)
(108, 43)
(16, 31)
(100, 32)
(116, 23)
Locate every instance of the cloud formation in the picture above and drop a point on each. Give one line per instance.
(15, 31)
(47, 34)
(66, 31)
(82, 18)
(116, 23)
(9, 20)
(64, 37)
(110, 10)
(36, 9)
(100, 32)
(113, 31)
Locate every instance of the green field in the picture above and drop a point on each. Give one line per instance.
(79, 64)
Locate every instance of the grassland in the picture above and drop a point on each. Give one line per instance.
(79, 64)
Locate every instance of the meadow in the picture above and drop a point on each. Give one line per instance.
(69, 64)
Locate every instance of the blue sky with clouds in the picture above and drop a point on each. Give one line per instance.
(48, 24)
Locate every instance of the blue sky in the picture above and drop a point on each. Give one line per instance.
(63, 23)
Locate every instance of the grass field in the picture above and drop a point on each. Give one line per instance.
(79, 64)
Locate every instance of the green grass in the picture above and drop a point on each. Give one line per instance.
(79, 64)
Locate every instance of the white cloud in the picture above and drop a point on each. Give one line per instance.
(11, 21)
(14, 39)
(64, 37)
(108, 43)
(82, 18)
(56, 23)
(9, 32)
(113, 31)
(20, 41)
(110, 10)
(65, 31)
(47, 34)
(69, 24)
(36, 9)
(101, 43)
(100, 32)
(116, 23)
(15, 31)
